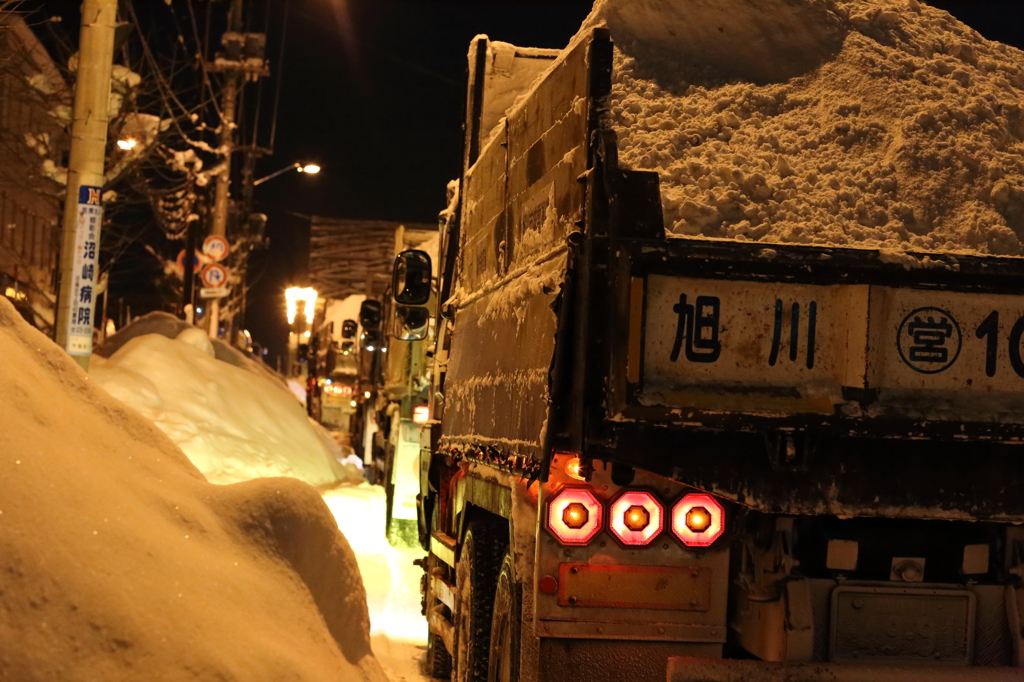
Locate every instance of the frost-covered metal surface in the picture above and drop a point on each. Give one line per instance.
(521, 198)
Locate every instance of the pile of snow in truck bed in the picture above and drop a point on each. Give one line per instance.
(120, 562)
(870, 123)
(232, 420)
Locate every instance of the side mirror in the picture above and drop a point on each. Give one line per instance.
(349, 329)
(370, 315)
(369, 340)
(411, 323)
(410, 279)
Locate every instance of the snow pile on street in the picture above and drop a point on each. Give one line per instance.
(869, 123)
(120, 562)
(233, 423)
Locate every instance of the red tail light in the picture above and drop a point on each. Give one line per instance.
(698, 520)
(575, 516)
(636, 518)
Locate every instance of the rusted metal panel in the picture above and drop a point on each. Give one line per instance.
(902, 625)
(488, 495)
(679, 588)
(683, 669)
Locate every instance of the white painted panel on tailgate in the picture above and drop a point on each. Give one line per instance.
(721, 332)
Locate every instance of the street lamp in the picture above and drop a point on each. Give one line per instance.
(307, 296)
(310, 168)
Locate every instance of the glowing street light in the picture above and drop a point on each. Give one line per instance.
(307, 296)
(310, 168)
(128, 144)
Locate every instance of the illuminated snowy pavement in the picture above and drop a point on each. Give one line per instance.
(397, 629)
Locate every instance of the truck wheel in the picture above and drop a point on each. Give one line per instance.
(475, 575)
(438, 660)
(505, 623)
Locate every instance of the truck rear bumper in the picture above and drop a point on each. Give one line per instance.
(685, 669)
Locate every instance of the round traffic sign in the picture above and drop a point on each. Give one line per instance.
(216, 247)
(215, 275)
(181, 262)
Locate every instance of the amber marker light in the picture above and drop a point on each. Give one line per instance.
(698, 520)
(421, 414)
(575, 516)
(636, 518)
(573, 469)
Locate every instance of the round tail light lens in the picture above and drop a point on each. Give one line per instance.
(698, 520)
(575, 516)
(636, 518)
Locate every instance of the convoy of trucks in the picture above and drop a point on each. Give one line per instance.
(698, 459)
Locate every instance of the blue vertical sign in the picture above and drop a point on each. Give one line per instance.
(84, 275)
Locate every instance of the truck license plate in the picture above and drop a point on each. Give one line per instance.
(902, 626)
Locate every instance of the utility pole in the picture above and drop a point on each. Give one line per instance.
(242, 60)
(83, 207)
(227, 147)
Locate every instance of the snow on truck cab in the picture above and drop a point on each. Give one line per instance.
(661, 448)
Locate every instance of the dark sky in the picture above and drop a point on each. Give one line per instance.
(380, 107)
(373, 91)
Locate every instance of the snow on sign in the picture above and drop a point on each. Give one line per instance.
(713, 344)
(83, 283)
(215, 275)
(216, 247)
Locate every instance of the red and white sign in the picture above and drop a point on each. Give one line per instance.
(181, 262)
(215, 275)
(216, 247)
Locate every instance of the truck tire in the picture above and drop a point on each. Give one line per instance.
(476, 573)
(505, 624)
(438, 660)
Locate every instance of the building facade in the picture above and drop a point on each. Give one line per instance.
(34, 104)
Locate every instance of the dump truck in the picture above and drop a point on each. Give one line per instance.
(400, 386)
(702, 460)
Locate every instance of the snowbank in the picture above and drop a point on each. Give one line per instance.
(170, 326)
(120, 562)
(233, 423)
(868, 123)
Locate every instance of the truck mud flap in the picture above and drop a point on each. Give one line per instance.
(684, 669)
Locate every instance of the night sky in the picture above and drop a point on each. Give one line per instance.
(373, 91)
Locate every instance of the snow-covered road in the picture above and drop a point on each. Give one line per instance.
(397, 629)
